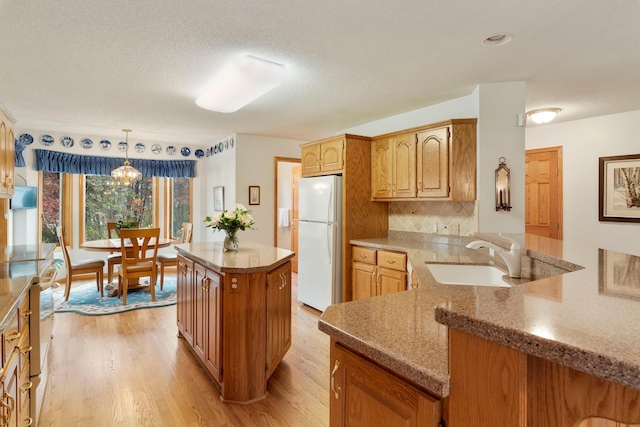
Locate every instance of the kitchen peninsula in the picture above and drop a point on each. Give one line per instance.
(547, 352)
(234, 310)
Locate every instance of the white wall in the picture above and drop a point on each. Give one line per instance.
(584, 142)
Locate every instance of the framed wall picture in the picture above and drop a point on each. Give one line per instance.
(620, 188)
(218, 198)
(254, 195)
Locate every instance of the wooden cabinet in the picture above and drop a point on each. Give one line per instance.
(377, 272)
(393, 172)
(278, 315)
(15, 387)
(7, 150)
(185, 299)
(208, 320)
(364, 394)
(323, 157)
(435, 162)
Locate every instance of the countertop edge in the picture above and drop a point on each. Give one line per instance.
(242, 270)
(16, 300)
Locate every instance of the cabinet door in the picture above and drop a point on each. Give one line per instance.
(200, 307)
(4, 157)
(362, 394)
(310, 159)
(278, 315)
(391, 281)
(381, 169)
(332, 155)
(185, 298)
(404, 166)
(433, 163)
(364, 281)
(9, 400)
(213, 323)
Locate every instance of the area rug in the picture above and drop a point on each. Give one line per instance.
(85, 299)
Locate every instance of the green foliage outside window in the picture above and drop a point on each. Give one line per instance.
(50, 206)
(180, 205)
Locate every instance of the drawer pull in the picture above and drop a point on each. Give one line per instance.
(364, 256)
(336, 366)
(26, 349)
(26, 386)
(391, 261)
(26, 313)
(29, 421)
(13, 336)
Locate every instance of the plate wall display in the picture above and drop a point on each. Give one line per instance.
(25, 139)
(66, 141)
(105, 144)
(231, 142)
(185, 151)
(46, 140)
(215, 149)
(171, 150)
(139, 147)
(122, 146)
(86, 143)
(199, 153)
(226, 144)
(220, 147)
(156, 149)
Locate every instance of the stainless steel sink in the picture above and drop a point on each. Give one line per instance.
(462, 274)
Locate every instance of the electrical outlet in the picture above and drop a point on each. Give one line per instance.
(454, 229)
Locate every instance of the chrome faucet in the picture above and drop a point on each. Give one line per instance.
(511, 258)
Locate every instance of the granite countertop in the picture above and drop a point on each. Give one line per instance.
(586, 319)
(19, 253)
(11, 293)
(249, 258)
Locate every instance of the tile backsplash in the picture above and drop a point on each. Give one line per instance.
(450, 218)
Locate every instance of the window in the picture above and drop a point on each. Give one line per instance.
(105, 201)
(51, 206)
(180, 200)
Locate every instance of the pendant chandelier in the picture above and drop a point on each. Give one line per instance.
(126, 174)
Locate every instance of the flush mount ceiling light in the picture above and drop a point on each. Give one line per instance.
(497, 40)
(543, 115)
(241, 81)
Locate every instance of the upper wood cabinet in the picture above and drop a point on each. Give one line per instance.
(7, 150)
(436, 162)
(324, 157)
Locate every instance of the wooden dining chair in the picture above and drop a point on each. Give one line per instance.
(79, 267)
(171, 259)
(140, 261)
(115, 258)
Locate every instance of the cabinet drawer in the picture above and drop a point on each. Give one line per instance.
(366, 255)
(24, 314)
(392, 260)
(11, 337)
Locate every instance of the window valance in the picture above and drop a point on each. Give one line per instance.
(55, 161)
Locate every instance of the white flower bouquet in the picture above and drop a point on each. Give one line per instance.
(231, 221)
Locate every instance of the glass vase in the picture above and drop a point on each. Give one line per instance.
(231, 241)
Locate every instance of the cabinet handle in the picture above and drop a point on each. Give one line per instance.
(26, 386)
(391, 261)
(26, 349)
(26, 313)
(29, 421)
(13, 336)
(364, 256)
(10, 406)
(336, 366)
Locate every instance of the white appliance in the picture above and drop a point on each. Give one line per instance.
(320, 242)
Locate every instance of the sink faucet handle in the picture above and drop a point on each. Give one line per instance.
(514, 244)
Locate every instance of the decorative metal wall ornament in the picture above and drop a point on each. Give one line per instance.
(503, 186)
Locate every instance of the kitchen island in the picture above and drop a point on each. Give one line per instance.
(234, 311)
(548, 351)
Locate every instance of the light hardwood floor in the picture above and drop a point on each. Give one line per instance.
(131, 369)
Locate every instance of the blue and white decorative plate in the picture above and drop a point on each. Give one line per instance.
(199, 153)
(220, 147)
(122, 146)
(25, 139)
(231, 142)
(185, 151)
(105, 144)
(140, 147)
(66, 141)
(226, 144)
(46, 140)
(156, 148)
(86, 143)
(171, 150)
(215, 149)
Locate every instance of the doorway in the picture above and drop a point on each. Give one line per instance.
(287, 176)
(543, 190)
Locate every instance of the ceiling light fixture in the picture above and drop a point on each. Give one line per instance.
(497, 40)
(543, 115)
(126, 174)
(240, 82)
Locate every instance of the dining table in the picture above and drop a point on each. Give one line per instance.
(115, 245)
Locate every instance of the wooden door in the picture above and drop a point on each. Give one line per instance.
(213, 324)
(310, 159)
(295, 214)
(185, 301)
(332, 155)
(363, 284)
(391, 281)
(381, 169)
(404, 165)
(543, 192)
(433, 163)
(363, 394)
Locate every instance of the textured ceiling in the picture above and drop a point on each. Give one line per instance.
(95, 67)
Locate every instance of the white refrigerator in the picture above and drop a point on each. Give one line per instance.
(320, 242)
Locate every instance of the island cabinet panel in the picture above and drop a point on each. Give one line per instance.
(208, 320)
(185, 297)
(278, 315)
(364, 394)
